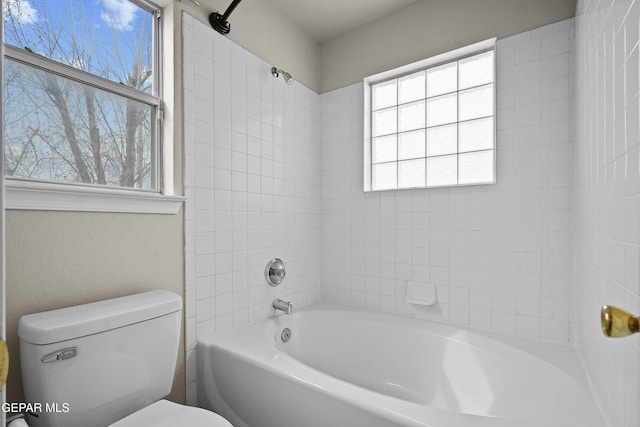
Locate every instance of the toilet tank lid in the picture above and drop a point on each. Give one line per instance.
(81, 320)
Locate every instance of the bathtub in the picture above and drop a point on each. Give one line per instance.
(350, 368)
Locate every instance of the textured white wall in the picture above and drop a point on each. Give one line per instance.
(427, 28)
(266, 31)
(252, 183)
(606, 198)
(59, 259)
(499, 254)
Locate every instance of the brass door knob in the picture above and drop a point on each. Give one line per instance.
(617, 322)
(4, 363)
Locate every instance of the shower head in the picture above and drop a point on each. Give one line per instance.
(275, 72)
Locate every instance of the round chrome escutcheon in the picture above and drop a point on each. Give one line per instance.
(286, 335)
(274, 272)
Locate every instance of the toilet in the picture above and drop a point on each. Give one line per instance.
(107, 363)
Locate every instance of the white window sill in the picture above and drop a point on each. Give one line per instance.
(40, 196)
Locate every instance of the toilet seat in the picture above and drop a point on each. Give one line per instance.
(169, 414)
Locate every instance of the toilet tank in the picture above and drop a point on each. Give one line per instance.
(93, 364)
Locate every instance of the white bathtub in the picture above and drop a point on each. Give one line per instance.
(350, 368)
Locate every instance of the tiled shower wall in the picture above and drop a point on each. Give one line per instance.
(252, 179)
(498, 254)
(606, 198)
(270, 168)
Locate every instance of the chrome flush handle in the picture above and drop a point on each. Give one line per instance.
(63, 354)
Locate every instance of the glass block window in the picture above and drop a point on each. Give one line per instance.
(432, 127)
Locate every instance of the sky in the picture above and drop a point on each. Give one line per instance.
(106, 30)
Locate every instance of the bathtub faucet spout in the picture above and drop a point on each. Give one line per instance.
(285, 306)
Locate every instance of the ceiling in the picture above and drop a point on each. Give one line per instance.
(325, 19)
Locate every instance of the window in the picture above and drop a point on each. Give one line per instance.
(82, 97)
(432, 123)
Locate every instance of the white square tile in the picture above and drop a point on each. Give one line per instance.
(528, 327)
(503, 322)
(554, 330)
(556, 43)
(527, 51)
(479, 318)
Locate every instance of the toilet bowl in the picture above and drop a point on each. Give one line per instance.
(168, 414)
(80, 357)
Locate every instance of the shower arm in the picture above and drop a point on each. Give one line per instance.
(230, 10)
(219, 22)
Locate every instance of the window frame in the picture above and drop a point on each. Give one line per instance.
(448, 57)
(23, 193)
